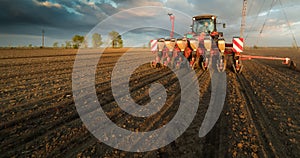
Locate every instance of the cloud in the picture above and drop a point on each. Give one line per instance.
(137, 3)
(295, 23)
(18, 19)
(183, 5)
(63, 18)
(47, 4)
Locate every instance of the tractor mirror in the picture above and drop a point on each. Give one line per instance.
(224, 25)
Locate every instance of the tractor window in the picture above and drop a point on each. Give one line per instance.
(203, 25)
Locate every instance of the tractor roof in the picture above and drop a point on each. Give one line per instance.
(204, 16)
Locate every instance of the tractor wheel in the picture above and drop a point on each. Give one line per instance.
(152, 65)
(223, 67)
(203, 66)
(293, 65)
(241, 69)
(158, 65)
(196, 65)
(237, 70)
(225, 64)
(172, 63)
(237, 66)
(234, 69)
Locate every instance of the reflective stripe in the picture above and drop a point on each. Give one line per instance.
(153, 45)
(238, 44)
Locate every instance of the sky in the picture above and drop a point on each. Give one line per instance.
(268, 22)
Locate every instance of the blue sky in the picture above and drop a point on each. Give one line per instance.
(22, 21)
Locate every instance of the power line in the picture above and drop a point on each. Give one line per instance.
(289, 25)
(252, 26)
(263, 26)
(250, 8)
(244, 14)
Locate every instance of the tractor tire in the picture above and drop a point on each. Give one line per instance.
(152, 65)
(293, 65)
(241, 69)
(203, 67)
(223, 68)
(196, 65)
(158, 65)
(234, 69)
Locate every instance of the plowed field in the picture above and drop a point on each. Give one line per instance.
(260, 118)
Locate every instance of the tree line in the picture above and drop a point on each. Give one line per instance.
(79, 41)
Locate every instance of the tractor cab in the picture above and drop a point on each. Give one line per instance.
(204, 23)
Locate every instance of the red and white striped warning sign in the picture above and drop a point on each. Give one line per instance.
(153, 45)
(238, 44)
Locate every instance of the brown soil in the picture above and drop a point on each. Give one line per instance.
(260, 118)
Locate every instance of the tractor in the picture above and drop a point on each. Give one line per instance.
(205, 42)
(198, 46)
(203, 47)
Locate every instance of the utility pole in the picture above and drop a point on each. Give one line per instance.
(43, 38)
(244, 14)
(172, 19)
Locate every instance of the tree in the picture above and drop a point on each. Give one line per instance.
(77, 41)
(113, 35)
(97, 40)
(116, 39)
(55, 44)
(120, 41)
(68, 44)
(84, 44)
